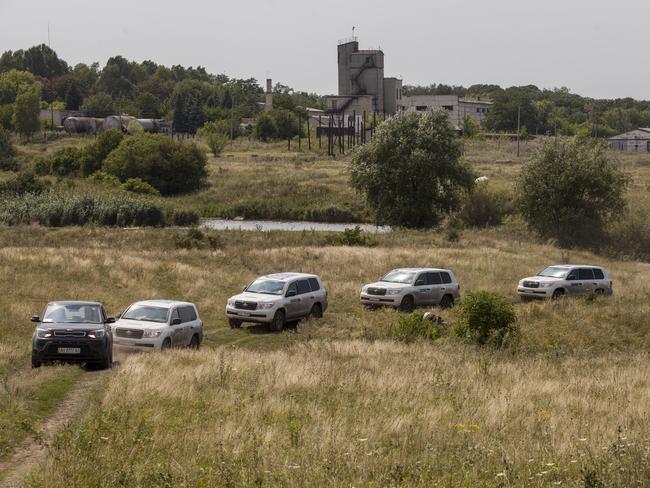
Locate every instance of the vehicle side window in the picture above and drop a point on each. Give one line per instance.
(187, 314)
(303, 287)
(434, 279)
(573, 275)
(104, 316)
(313, 282)
(446, 277)
(174, 315)
(421, 280)
(585, 274)
(598, 274)
(292, 288)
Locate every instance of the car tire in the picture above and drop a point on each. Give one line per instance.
(194, 343)
(107, 362)
(167, 344)
(278, 321)
(234, 323)
(447, 301)
(408, 304)
(599, 292)
(35, 362)
(557, 294)
(316, 311)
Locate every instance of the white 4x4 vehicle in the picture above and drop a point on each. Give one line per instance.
(154, 325)
(407, 288)
(565, 279)
(277, 298)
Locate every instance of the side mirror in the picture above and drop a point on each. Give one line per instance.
(571, 278)
(35, 318)
(175, 322)
(109, 320)
(291, 293)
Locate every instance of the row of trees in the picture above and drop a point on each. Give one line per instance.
(547, 111)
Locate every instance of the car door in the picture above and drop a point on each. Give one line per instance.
(307, 298)
(177, 330)
(422, 293)
(317, 292)
(188, 316)
(586, 276)
(448, 286)
(600, 282)
(574, 285)
(437, 287)
(293, 301)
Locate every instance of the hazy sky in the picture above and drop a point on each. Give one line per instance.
(592, 47)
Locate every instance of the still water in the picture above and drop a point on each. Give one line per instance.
(266, 225)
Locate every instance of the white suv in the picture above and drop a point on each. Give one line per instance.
(565, 279)
(407, 288)
(277, 298)
(154, 325)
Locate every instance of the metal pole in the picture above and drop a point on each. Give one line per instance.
(518, 127)
(308, 134)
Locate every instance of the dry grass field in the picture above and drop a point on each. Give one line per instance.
(332, 402)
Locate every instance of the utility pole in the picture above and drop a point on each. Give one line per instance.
(518, 128)
(232, 120)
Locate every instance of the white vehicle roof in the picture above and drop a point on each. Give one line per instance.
(417, 270)
(162, 303)
(287, 276)
(567, 266)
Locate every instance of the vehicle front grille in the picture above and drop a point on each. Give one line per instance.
(129, 333)
(377, 291)
(69, 333)
(531, 284)
(241, 305)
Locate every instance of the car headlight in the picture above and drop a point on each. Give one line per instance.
(43, 333)
(393, 292)
(231, 303)
(265, 305)
(152, 333)
(545, 285)
(97, 334)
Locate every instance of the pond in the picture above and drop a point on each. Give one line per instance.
(296, 226)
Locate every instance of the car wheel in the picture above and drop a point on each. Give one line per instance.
(107, 362)
(278, 321)
(447, 301)
(557, 294)
(316, 311)
(408, 304)
(599, 292)
(234, 323)
(194, 343)
(167, 344)
(35, 362)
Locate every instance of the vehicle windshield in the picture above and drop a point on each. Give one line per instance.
(268, 287)
(146, 313)
(554, 272)
(398, 276)
(73, 314)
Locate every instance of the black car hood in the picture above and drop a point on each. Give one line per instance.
(71, 326)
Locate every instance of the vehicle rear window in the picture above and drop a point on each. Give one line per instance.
(313, 282)
(446, 278)
(434, 279)
(303, 287)
(585, 274)
(187, 314)
(598, 274)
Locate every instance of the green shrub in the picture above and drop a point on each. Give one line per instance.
(94, 154)
(485, 208)
(353, 237)
(416, 326)
(7, 151)
(23, 183)
(185, 218)
(486, 318)
(66, 161)
(331, 213)
(168, 165)
(41, 167)
(265, 127)
(103, 178)
(216, 142)
(196, 239)
(136, 185)
(56, 209)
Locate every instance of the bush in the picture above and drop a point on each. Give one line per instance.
(265, 127)
(169, 166)
(41, 167)
(95, 153)
(485, 208)
(415, 326)
(216, 142)
(103, 178)
(66, 161)
(411, 173)
(196, 239)
(486, 318)
(23, 183)
(7, 151)
(136, 185)
(331, 213)
(352, 237)
(185, 218)
(55, 209)
(570, 190)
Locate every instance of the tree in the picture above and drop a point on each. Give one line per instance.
(26, 111)
(570, 190)
(99, 105)
(265, 127)
(147, 105)
(286, 122)
(411, 173)
(506, 109)
(73, 97)
(94, 154)
(188, 99)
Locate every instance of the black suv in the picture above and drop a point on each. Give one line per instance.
(73, 332)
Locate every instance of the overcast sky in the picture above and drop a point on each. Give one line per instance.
(592, 47)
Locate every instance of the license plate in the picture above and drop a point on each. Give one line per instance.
(69, 350)
(245, 314)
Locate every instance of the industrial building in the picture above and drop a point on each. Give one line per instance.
(637, 140)
(458, 107)
(362, 85)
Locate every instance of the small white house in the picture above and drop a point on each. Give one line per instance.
(637, 140)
